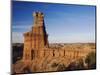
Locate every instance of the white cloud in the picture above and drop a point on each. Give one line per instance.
(21, 26)
(17, 37)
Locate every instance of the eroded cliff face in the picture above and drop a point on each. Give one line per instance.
(47, 57)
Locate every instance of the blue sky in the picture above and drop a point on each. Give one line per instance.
(65, 23)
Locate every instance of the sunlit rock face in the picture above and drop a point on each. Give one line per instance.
(36, 39)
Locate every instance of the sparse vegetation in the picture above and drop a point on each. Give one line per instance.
(91, 60)
(27, 70)
(76, 65)
(54, 65)
(61, 67)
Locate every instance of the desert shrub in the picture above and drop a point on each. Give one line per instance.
(54, 65)
(71, 66)
(26, 70)
(76, 65)
(91, 60)
(61, 67)
(80, 65)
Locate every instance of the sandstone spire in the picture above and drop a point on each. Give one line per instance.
(37, 38)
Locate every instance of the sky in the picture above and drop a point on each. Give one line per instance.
(65, 23)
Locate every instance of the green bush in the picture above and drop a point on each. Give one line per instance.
(91, 60)
(54, 65)
(61, 67)
(76, 65)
